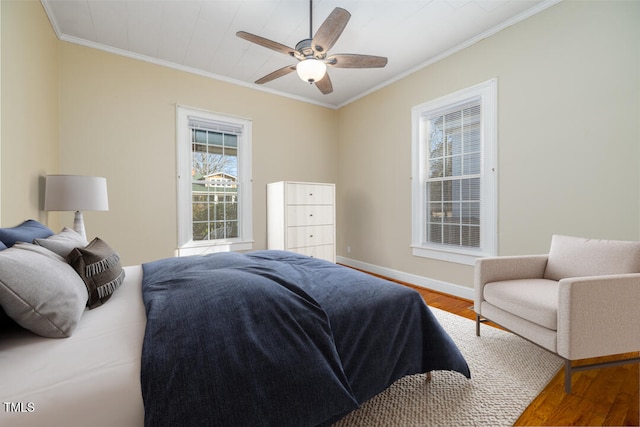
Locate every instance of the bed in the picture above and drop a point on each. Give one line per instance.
(262, 338)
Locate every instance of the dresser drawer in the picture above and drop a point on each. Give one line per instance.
(310, 235)
(310, 194)
(298, 215)
(325, 252)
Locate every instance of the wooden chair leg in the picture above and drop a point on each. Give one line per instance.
(429, 376)
(477, 325)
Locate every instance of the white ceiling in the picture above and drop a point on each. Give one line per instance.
(199, 35)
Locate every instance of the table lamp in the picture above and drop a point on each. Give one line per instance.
(76, 193)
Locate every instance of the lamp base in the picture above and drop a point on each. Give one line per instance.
(78, 224)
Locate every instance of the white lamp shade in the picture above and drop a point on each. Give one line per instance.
(75, 193)
(311, 70)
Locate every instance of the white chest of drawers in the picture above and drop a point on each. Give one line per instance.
(301, 218)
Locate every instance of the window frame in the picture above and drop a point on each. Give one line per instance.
(186, 244)
(486, 93)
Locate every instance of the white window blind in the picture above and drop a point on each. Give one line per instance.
(453, 176)
(214, 125)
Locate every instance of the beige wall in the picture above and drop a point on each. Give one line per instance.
(118, 120)
(29, 120)
(568, 138)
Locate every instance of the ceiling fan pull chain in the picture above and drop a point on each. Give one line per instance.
(310, 19)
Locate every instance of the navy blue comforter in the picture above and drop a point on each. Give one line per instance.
(277, 339)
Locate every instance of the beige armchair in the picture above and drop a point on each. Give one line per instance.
(581, 300)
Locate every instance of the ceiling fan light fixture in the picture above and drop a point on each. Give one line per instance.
(311, 70)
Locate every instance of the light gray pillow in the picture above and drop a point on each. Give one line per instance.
(63, 242)
(579, 257)
(40, 291)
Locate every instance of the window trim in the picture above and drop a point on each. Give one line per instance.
(186, 244)
(487, 93)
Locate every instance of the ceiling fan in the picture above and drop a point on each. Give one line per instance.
(312, 52)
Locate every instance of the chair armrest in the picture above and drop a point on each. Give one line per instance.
(598, 316)
(496, 269)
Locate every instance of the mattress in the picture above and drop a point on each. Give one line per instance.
(95, 372)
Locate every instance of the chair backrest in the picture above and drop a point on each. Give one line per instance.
(579, 257)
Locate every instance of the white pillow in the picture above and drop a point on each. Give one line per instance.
(63, 242)
(40, 291)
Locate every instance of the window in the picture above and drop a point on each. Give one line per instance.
(214, 182)
(454, 184)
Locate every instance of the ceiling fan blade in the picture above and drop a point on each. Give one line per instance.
(277, 73)
(325, 85)
(269, 44)
(352, 60)
(330, 30)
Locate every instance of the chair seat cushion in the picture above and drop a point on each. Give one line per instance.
(535, 300)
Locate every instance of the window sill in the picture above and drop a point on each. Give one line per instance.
(203, 248)
(453, 255)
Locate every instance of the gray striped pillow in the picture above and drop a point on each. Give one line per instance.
(99, 267)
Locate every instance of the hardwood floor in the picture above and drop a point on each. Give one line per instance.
(600, 397)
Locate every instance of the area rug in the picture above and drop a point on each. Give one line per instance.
(507, 373)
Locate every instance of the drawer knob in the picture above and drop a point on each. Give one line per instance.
(311, 235)
(310, 214)
(310, 194)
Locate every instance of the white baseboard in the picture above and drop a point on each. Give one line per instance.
(423, 282)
